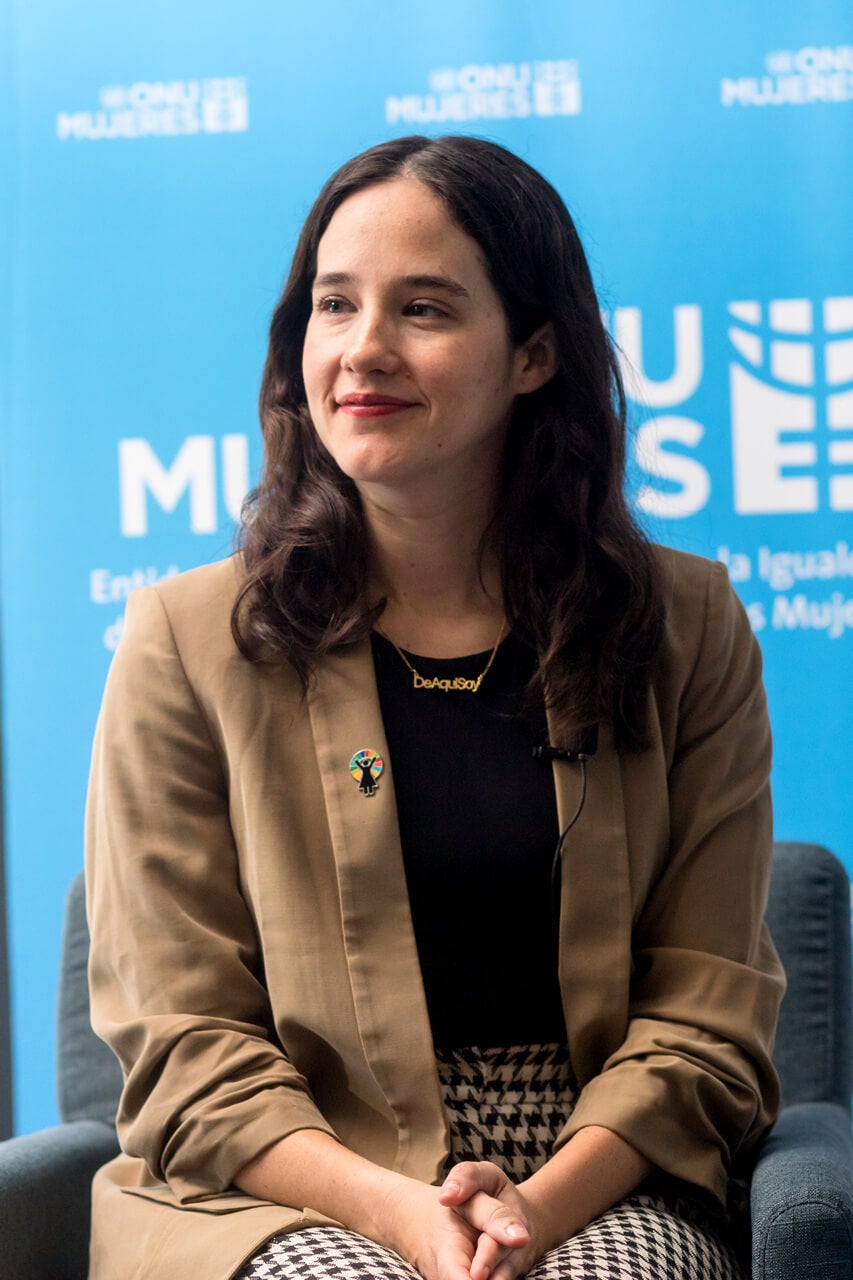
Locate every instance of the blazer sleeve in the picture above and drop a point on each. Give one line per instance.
(175, 973)
(693, 1086)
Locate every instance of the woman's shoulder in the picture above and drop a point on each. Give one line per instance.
(695, 589)
(179, 631)
(704, 619)
(210, 587)
(188, 613)
(685, 575)
(197, 600)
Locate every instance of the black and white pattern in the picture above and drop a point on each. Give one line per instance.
(643, 1238)
(507, 1105)
(325, 1253)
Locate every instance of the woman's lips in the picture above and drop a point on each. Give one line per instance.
(363, 405)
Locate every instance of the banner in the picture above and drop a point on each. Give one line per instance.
(162, 161)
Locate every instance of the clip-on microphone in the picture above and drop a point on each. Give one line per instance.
(583, 745)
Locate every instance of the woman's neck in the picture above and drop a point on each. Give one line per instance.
(441, 584)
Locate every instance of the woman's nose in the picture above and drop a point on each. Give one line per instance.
(371, 345)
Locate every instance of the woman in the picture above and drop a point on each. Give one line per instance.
(320, 841)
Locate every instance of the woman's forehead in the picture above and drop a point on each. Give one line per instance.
(398, 228)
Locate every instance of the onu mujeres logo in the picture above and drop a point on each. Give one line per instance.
(791, 385)
(790, 391)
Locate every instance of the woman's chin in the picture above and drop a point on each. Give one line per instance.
(385, 471)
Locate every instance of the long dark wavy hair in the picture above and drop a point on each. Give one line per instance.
(580, 581)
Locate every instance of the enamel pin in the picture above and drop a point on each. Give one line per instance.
(366, 767)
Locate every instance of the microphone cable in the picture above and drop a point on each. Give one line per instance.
(556, 864)
(583, 746)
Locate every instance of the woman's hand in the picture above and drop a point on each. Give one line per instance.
(511, 1233)
(591, 1172)
(443, 1240)
(478, 1225)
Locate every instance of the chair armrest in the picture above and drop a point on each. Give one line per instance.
(45, 1199)
(802, 1197)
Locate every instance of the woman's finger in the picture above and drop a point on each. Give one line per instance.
(508, 1268)
(470, 1176)
(507, 1265)
(496, 1219)
(486, 1257)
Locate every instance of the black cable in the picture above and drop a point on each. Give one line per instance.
(556, 863)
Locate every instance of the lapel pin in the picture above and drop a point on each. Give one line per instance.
(366, 767)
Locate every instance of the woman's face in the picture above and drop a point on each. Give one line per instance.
(409, 371)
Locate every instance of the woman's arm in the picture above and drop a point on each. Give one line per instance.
(176, 980)
(311, 1168)
(477, 1222)
(594, 1170)
(692, 1084)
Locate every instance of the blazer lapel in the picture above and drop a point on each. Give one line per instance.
(378, 935)
(595, 908)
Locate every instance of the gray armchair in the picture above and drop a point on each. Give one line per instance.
(802, 1187)
(45, 1177)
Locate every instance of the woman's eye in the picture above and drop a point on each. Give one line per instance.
(332, 306)
(426, 309)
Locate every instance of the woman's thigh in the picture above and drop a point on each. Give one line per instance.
(320, 1253)
(642, 1238)
(639, 1239)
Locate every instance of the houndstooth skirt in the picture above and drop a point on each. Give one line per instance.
(507, 1105)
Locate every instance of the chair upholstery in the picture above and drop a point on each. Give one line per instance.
(802, 1197)
(45, 1177)
(802, 1188)
(814, 1051)
(88, 1075)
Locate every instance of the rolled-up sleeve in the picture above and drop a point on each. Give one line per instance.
(175, 973)
(692, 1086)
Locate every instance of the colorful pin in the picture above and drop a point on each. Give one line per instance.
(366, 767)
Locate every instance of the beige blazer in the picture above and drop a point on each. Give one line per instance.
(253, 963)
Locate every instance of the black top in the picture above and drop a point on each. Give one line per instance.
(478, 825)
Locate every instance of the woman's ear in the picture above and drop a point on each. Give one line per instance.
(536, 360)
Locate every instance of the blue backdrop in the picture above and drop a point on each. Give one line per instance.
(159, 159)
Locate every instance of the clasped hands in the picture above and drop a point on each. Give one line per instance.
(477, 1226)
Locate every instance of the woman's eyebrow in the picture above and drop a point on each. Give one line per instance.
(437, 282)
(329, 279)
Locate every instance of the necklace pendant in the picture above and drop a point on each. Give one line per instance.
(456, 684)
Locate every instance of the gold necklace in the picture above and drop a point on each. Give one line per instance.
(446, 684)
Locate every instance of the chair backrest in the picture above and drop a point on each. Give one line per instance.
(88, 1075)
(809, 917)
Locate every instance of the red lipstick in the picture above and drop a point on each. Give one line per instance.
(367, 405)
